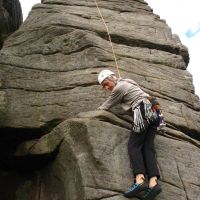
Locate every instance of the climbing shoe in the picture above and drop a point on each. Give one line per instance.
(151, 193)
(135, 189)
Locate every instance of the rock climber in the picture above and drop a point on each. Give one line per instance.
(130, 96)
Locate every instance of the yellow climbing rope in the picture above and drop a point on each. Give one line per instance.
(109, 37)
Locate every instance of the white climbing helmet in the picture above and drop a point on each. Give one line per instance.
(104, 74)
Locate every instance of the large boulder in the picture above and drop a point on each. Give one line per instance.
(53, 140)
(92, 162)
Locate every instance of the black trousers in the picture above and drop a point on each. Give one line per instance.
(141, 150)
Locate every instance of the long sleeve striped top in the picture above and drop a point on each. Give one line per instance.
(127, 93)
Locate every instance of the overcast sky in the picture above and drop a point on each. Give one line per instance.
(183, 17)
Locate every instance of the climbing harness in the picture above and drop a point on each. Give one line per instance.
(152, 111)
(109, 37)
(149, 115)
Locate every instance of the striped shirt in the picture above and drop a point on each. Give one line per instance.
(127, 93)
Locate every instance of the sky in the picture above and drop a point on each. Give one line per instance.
(182, 16)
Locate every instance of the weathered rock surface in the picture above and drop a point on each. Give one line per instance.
(48, 72)
(10, 18)
(92, 162)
